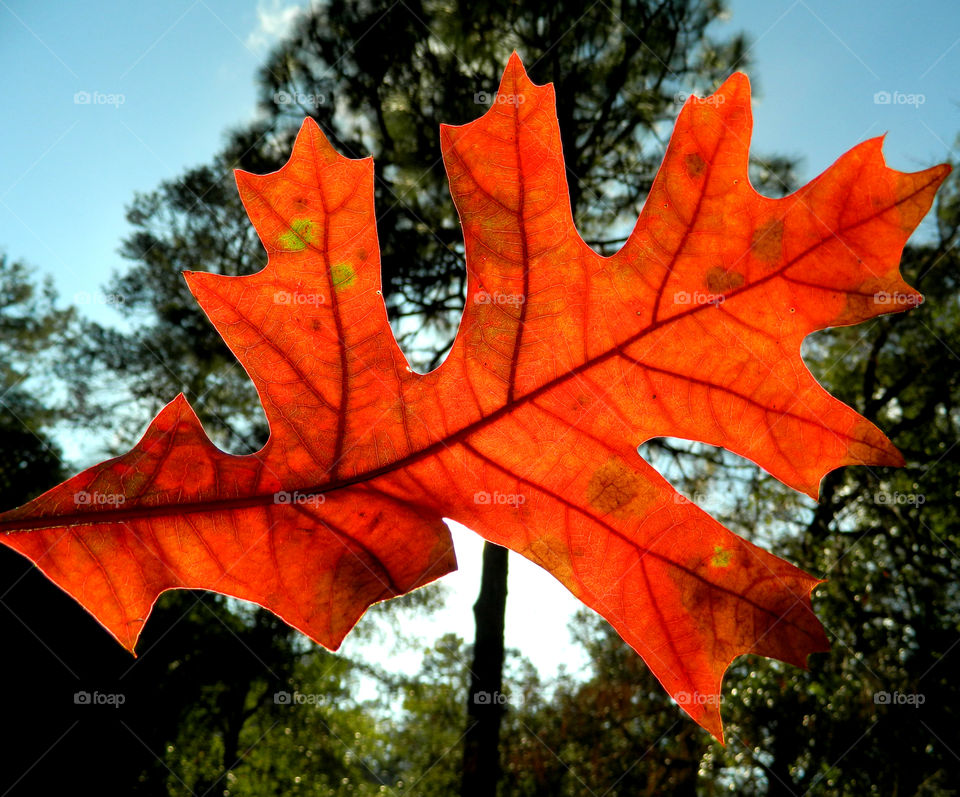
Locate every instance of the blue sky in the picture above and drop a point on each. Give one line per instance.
(182, 71)
(818, 67)
(185, 71)
(166, 79)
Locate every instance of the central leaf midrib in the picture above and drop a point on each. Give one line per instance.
(454, 438)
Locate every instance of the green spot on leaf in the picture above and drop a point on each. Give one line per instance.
(343, 275)
(298, 236)
(720, 558)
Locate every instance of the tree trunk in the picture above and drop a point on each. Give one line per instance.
(485, 703)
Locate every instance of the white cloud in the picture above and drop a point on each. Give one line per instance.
(274, 20)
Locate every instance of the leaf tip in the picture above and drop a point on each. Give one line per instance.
(515, 62)
(244, 180)
(515, 82)
(312, 144)
(735, 90)
(713, 724)
(935, 175)
(309, 125)
(938, 174)
(894, 458)
(737, 82)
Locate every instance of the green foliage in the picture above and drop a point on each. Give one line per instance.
(31, 327)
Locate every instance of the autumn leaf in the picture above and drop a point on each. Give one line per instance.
(564, 363)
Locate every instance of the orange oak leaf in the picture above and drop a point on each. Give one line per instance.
(564, 363)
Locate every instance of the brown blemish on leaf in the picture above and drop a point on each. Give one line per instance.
(617, 488)
(719, 280)
(543, 554)
(700, 594)
(695, 164)
(695, 595)
(767, 242)
(857, 307)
